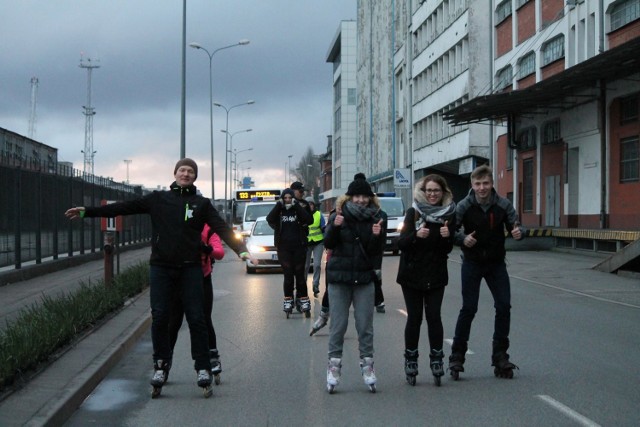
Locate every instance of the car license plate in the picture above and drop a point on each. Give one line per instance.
(389, 241)
(274, 257)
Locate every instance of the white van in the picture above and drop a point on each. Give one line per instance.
(253, 211)
(394, 208)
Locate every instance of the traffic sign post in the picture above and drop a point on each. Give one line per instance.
(110, 227)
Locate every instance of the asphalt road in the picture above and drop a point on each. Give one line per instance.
(574, 335)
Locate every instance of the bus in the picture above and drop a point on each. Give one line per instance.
(250, 203)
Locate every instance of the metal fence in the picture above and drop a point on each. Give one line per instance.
(33, 227)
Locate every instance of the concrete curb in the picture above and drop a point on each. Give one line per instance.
(53, 396)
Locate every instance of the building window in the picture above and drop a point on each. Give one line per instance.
(527, 139)
(527, 185)
(629, 160)
(509, 157)
(504, 78)
(527, 65)
(624, 12)
(337, 120)
(553, 50)
(520, 3)
(551, 132)
(503, 11)
(629, 109)
(351, 96)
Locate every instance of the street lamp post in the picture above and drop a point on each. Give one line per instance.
(289, 170)
(226, 148)
(227, 171)
(235, 164)
(210, 55)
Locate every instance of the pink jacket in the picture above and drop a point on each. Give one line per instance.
(218, 250)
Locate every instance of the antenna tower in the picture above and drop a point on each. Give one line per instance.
(32, 111)
(89, 112)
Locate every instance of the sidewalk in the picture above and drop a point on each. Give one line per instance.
(53, 395)
(56, 392)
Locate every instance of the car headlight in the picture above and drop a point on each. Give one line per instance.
(400, 225)
(256, 248)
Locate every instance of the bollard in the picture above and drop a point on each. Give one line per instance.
(108, 257)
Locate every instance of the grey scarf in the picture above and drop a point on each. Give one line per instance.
(357, 212)
(434, 213)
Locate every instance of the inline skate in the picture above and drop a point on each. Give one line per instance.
(320, 322)
(411, 365)
(204, 382)
(303, 305)
(287, 306)
(334, 367)
(435, 357)
(316, 290)
(503, 368)
(160, 376)
(368, 373)
(216, 366)
(456, 360)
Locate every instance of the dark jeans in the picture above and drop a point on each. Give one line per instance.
(292, 261)
(379, 296)
(495, 274)
(177, 314)
(184, 283)
(431, 301)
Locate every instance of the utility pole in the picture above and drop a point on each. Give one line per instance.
(34, 102)
(128, 162)
(89, 112)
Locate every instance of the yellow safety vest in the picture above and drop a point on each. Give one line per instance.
(315, 233)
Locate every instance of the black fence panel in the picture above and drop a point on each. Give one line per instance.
(33, 227)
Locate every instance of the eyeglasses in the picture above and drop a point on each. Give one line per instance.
(432, 190)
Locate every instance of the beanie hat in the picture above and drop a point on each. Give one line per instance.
(359, 175)
(297, 186)
(287, 191)
(310, 200)
(359, 186)
(186, 162)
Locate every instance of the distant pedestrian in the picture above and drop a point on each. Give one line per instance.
(211, 251)
(315, 248)
(425, 241)
(484, 216)
(354, 236)
(178, 216)
(290, 222)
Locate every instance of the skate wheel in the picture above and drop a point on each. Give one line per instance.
(307, 314)
(216, 379)
(455, 375)
(207, 391)
(411, 380)
(331, 388)
(372, 388)
(288, 314)
(438, 381)
(156, 392)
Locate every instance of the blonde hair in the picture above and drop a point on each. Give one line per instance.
(482, 171)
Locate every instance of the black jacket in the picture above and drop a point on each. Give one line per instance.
(423, 262)
(348, 264)
(303, 220)
(489, 225)
(177, 217)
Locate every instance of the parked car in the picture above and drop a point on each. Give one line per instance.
(394, 208)
(261, 247)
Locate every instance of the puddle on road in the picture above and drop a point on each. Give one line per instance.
(110, 394)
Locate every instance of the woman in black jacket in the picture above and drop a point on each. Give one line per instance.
(290, 221)
(425, 241)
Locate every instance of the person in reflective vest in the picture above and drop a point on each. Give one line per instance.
(315, 245)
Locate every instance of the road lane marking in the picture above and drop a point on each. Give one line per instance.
(567, 411)
(582, 294)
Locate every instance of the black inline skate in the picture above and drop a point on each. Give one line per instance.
(456, 360)
(204, 382)
(216, 366)
(502, 367)
(437, 369)
(287, 306)
(411, 365)
(160, 376)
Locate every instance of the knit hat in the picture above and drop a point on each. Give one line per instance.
(186, 162)
(287, 191)
(297, 186)
(309, 199)
(359, 186)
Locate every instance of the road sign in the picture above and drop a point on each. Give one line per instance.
(110, 224)
(402, 178)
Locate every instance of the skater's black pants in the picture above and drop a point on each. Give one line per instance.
(177, 314)
(495, 274)
(431, 301)
(379, 297)
(292, 261)
(186, 283)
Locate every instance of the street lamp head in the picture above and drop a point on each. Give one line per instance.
(244, 42)
(195, 45)
(217, 104)
(251, 101)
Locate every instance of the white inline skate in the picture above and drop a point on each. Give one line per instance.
(368, 373)
(333, 373)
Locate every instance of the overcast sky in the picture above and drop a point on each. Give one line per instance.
(136, 92)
